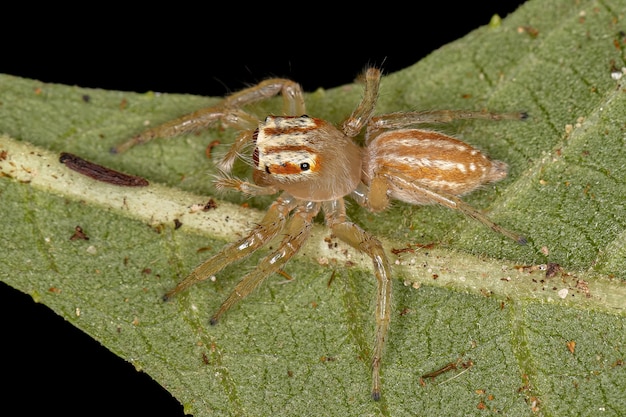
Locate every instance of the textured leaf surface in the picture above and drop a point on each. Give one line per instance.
(537, 344)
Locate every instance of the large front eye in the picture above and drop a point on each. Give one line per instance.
(305, 166)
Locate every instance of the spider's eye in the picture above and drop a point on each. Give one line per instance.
(267, 169)
(306, 115)
(305, 166)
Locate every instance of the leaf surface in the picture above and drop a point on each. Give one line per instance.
(514, 340)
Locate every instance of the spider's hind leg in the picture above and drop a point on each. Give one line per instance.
(414, 193)
(401, 120)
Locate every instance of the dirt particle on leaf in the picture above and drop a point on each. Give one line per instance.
(571, 346)
(79, 234)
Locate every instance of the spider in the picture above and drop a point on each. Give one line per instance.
(314, 165)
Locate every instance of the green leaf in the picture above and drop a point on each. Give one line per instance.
(520, 342)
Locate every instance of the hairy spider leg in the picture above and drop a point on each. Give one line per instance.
(394, 121)
(355, 236)
(297, 231)
(271, 224)
(383, 180)
(228, 111)
(362, 114)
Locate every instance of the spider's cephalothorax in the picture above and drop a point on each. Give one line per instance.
(307, 157)
(314, 165)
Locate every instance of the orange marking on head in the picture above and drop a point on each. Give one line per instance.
(286, 168)
(291, 168)
(317, 165)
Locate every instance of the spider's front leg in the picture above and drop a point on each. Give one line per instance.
(358, 238)
(229, 113)
(296, 233)
(191, 122)
(273, 222)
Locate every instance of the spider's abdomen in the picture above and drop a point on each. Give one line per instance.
(307, 157)
(430, 159)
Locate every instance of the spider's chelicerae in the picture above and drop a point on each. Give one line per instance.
(314, 165)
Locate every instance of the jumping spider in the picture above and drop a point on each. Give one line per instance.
(314, 165)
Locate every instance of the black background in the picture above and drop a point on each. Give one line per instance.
(195, 51)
